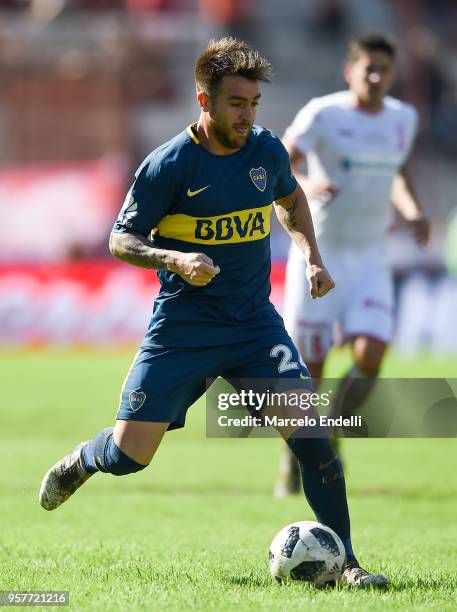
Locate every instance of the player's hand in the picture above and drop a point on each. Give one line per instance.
(319, 280)
(420, 229)
(323, 190)
(195, 268)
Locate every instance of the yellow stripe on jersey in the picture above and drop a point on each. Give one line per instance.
(239, 226)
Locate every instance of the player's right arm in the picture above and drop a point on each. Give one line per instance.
(134, 248)
(148, 201)
(301, 137)
(323, 189)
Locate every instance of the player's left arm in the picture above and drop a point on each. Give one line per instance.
(295, 217)
(404, 199)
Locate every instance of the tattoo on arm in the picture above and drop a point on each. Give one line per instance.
(136, 249)
(290, 215)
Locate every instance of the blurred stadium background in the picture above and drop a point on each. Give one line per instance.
(89, 87)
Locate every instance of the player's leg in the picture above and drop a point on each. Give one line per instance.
(139, 439)
(309, 323)
(356, 385)
(320, 467)
(368, 354)
(152, 401)
(104, 453)
(321, 470)
(368, 325)
(127, 448)
(325, 489)
(288, 481)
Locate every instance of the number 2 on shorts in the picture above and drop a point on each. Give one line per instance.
(286, 362)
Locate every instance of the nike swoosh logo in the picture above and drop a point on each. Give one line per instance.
(191, 193)
(303, 377)
(322, 466)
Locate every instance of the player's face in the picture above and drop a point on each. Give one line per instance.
(370, 77)
(232, 111)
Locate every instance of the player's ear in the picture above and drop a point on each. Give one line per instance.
(203, 101)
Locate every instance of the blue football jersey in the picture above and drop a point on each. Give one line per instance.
(191, 200)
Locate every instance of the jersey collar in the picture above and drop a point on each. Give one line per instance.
(192, 134)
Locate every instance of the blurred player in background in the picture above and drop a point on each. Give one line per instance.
(356, 144)
(207, 196)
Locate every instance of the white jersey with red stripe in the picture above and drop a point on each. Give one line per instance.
(360, 152)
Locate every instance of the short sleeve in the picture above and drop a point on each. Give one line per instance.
(303, 131)
(149, 198)
(411, 132)
(286, 183)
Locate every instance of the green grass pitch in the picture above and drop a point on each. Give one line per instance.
(193, 530)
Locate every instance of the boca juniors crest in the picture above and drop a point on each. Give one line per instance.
(259, 177)
(136, 400)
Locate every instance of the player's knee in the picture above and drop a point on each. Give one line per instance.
(368, 365)
(315, 369)
(368, 354)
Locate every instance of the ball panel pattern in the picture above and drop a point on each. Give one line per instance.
(326, 540)
(308, 570)
(291, 541)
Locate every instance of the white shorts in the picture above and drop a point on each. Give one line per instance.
(360, 304)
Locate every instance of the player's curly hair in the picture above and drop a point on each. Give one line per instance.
(229, 56)
(371, 41)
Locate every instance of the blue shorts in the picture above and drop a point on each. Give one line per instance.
(163, 383)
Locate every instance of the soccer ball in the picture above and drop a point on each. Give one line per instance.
(307, 551)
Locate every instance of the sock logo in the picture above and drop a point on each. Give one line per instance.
(136, 400)
(323, 465)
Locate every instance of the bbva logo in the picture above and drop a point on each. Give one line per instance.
(225, 228)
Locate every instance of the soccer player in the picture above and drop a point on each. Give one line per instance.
(207, 196)
(356, 144)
